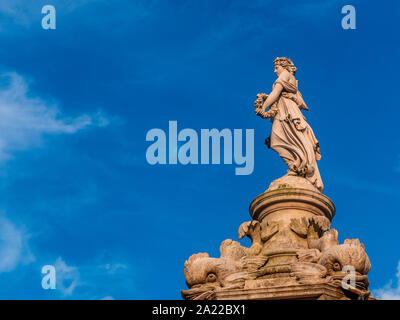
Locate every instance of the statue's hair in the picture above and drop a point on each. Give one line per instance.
(286, 63)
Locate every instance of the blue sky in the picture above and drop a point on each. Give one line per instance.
(76, 104)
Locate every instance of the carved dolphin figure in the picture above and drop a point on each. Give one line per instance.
(205, 275)
(350, 253)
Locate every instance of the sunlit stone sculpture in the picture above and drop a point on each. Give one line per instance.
(291, 136)
(294, 252)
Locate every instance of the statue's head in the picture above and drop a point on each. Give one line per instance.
(284, 63)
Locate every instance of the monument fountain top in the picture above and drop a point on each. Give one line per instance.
(294, 253)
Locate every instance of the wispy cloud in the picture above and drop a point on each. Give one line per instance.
(388, 292)
(94, 281)
(25, 12)
(14, 248)
(362, 184)
(67, 277)
(25, 119)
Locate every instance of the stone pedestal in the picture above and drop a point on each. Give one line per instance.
(294, 253)
(286, 210)
(323, 291)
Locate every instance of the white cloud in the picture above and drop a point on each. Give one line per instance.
(388, 292)
(25, 119)
(14, 248)
(67, 277)
(96, 280)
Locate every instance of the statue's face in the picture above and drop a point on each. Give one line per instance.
(278, 69)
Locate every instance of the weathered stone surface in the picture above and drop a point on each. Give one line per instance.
(294, 252)
(289, 181)
(291, 136)
(315, 291)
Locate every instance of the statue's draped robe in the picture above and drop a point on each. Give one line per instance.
(292, 138)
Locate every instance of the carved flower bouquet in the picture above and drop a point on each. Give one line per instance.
(258, 103)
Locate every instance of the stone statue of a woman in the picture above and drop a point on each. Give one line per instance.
(291, 136)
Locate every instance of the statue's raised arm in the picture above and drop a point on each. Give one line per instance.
(291, 136)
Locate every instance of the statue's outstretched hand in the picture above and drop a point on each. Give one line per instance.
(261, 113)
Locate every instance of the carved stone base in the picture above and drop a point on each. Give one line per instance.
(294, 254)
(289, 209)
(323, 291)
